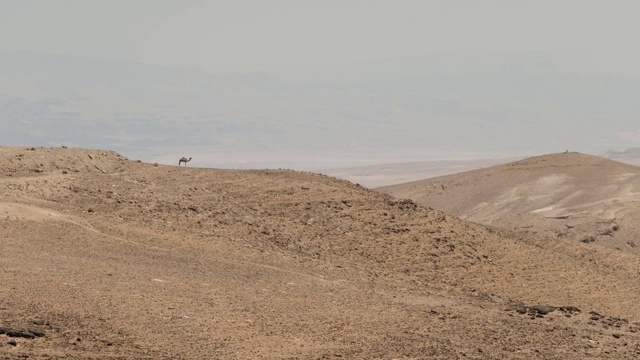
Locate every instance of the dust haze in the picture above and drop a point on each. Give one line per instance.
(319, 180)
(251, 85)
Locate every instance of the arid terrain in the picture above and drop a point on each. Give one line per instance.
(568, 196)
(102, 257)
(387, 174)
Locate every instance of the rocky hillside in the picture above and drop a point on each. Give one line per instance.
(104, 257)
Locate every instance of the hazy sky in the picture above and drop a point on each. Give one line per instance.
(294, 38)
(347, 81)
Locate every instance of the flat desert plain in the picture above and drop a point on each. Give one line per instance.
(102, 257)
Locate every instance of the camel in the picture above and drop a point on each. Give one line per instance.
(184, 160)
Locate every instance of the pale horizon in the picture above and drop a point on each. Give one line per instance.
(312, 85)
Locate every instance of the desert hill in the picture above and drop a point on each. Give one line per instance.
(567, 195)
(112, 258)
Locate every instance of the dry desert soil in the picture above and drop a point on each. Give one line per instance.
(102, 257)
(568, 196)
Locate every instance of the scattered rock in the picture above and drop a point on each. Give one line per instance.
(595, 316)
(37, 333)
(21, 333)
(588, 239)
(569, 310)
(542, 310)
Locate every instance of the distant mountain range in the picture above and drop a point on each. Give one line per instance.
(373, 116)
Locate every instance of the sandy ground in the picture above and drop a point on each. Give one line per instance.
(106, 258)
